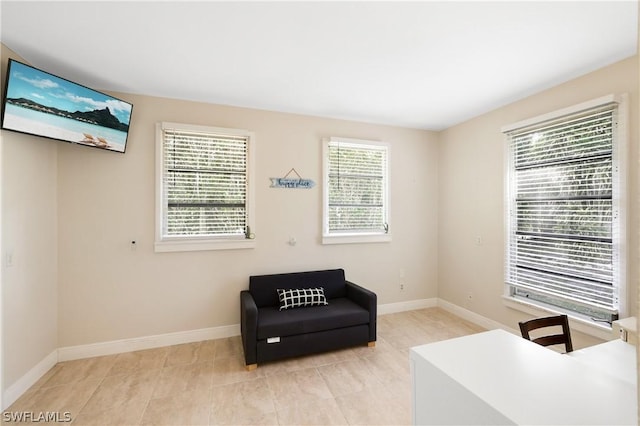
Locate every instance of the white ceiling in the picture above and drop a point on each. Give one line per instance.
(421, 64)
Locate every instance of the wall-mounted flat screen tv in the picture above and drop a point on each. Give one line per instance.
(42, 104)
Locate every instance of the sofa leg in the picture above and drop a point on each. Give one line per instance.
(371, 344)
(251, 367)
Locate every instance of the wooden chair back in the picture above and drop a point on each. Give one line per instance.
(551, 339)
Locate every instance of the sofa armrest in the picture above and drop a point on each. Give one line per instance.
(249, 327)
(368, 300)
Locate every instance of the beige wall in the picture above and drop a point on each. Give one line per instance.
(472, 176)
(29, 235)
(637, 258)
(105, 200)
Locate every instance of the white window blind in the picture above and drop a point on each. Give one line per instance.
(563, 218)
(357, 199)
(204, 187)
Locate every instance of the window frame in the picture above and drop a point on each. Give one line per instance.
(619, 215)
(165, 243)
(329, 237)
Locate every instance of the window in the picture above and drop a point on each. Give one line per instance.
(203, 188)
(356, 186)
(565, 215)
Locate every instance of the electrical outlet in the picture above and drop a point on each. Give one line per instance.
(401, 286)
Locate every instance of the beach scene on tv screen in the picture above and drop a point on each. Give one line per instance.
(42, 104)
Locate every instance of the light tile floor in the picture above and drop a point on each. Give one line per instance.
(205, 383)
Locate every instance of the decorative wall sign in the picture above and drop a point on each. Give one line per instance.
(287, 182)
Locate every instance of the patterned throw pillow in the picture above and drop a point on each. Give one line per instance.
(299, 297)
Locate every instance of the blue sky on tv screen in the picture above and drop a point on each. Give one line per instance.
(52, 91)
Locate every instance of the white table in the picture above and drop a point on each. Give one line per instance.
(616, 357)
(498, 378)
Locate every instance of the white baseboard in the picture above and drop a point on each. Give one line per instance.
(70, 353)
(411, 305)
(16, 390)
(477, 319)
(147, 342)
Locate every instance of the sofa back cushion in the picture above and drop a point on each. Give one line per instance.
(264, 288)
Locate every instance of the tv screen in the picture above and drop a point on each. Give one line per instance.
(42, 104)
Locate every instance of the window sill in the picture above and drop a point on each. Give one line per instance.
(356, 238)
(582, 325)
(195, 245)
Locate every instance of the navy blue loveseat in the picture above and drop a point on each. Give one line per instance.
(268, 333)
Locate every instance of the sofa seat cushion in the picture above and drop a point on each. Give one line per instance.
(340, 312)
